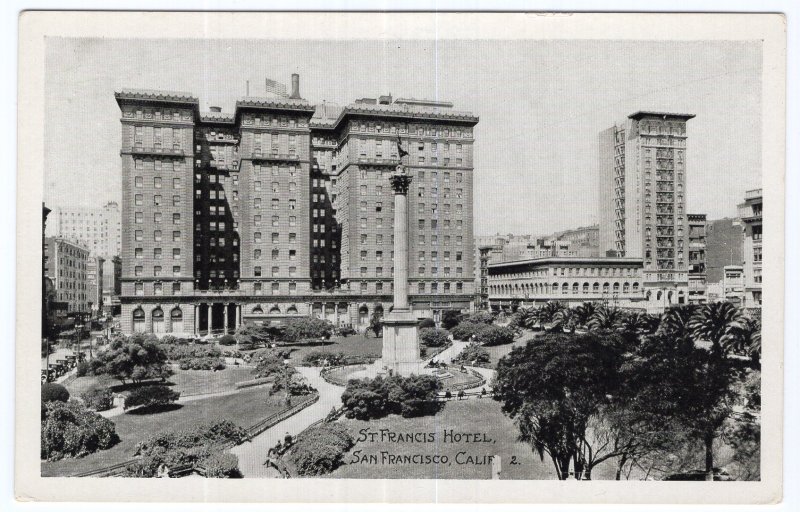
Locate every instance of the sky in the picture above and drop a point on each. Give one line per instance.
(541, 105)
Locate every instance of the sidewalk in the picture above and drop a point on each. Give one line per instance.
(253, 454)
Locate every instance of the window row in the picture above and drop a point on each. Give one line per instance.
(157, 235)
(275, 253)
(275, 237)
(138, 253)
(157, 182)
(158, 200)
(157, 217)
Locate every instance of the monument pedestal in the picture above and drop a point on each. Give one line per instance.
(400, 354)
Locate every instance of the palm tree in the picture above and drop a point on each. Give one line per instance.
(584, 312)
(605, 317)
(564, 319)
(675, 321)
(548, 311)
(717, 323)
(747, 339)
(527, 317)
(634, 323)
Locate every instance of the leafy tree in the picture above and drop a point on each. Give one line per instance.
(450, 318)
(308, 327)
(134, 359)
(150, 396)
(222, 465)
(433, 337)
(717, 323)
(744, 433)
(634, 325)
(52, 392)
(554, 388)
(254, 334)
(681, 383)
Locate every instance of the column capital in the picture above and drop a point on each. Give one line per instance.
(400, 182)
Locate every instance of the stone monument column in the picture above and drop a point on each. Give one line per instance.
(400, 338)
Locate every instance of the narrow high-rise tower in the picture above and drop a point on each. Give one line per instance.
(642, 208)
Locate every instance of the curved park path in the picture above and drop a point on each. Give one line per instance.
(252, 454)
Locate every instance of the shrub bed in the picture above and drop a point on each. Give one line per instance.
(433, 337)
(254, 382)
(492, 335)
(195, 446)
(318, 357)
(374, 398)
(465, 330)
(69, 429)
(320, 450)
(473, 354)
(202, 363)
(101, 399)
(150, 396)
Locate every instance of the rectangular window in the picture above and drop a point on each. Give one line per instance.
(138, 235)
(138, 200)
(176, 183)
(176, 270)
(176, 236)
(157, 253)
(157, 270)
(139, 217)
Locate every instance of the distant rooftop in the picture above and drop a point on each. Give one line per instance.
(649, 113)
(276, 102)
(570, 259)
(150, 94)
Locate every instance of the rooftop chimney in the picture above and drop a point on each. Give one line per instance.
(215, 109)
(295, 87)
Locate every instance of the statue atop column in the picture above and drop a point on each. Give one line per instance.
(400, 337)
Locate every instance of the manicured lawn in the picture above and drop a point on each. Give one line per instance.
(356, 345)
(196, 382)
(480, 416)
(498, 351)
(187, 382)
(244, 408)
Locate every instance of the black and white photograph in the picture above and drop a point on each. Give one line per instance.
(428, 258)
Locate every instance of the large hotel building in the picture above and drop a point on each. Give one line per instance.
(284, 208)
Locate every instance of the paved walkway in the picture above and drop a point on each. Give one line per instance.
(447, 355)
(253, 454)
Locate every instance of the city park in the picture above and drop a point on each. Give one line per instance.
(590, 392)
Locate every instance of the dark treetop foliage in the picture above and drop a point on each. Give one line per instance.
(134, 359)
(307, 328)
(554, 386)
(378, 397)
(434, 337)
(150, 396)
(321, 449)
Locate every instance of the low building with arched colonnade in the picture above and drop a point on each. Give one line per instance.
(615, 281)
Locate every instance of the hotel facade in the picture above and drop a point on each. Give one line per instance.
(283, 208)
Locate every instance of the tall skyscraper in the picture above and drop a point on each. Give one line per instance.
(284, 208)
(642, 209)
(750, 212)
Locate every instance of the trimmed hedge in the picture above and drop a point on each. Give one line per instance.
(149, 396)
(465, 330)
(222, 465)
(320, 450)
(54, 393)
(426, 323)
(227, 340)
(202, 363)
(473, 354)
